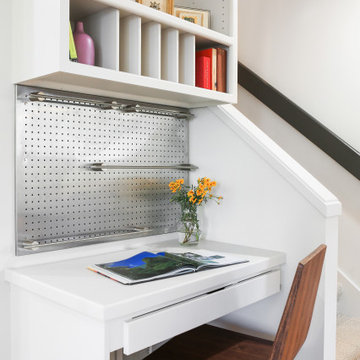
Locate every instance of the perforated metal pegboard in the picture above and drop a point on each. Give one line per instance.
(59, 199)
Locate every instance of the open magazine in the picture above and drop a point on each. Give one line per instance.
(148, 266)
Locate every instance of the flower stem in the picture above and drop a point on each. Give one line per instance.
(189, 230)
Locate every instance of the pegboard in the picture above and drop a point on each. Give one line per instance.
(60, 199)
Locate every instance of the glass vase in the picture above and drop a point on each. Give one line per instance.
(189, 234)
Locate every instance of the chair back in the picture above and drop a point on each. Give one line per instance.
(296, 318)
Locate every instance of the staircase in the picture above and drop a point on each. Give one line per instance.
(348, 319)
(348, 324)
(348, 338)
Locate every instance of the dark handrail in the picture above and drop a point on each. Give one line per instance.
(317, 133)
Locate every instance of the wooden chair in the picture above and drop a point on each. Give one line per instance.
(212, 343)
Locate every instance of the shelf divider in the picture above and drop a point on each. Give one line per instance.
(130, 44)
(103, 27)
(170, 55)
(203, 34)
(151, 50)
(187, 59)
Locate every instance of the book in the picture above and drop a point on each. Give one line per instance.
(210, 53)
(221, 70)
(72, 48)
(203, 78)
(147, 266)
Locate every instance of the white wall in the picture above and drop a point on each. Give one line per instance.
(265, 206)
(7, 212)
(341, 183)
(310, 51)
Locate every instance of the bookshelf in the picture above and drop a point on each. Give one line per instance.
(141, 53)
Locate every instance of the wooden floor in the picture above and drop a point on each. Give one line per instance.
(211, 343)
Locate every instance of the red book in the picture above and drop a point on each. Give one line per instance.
(203, 75)
(221, 70)
(211, 55)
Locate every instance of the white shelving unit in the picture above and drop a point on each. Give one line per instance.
(141, 54)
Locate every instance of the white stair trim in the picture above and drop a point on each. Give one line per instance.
(320, 197)
(349, 299)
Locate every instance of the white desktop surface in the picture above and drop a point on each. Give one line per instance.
(120, 313)
(71, 284)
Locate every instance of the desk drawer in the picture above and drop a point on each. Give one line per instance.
(165, 323)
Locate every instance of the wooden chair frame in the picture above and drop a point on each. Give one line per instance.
(207, 342)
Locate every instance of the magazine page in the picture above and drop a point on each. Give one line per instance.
(145, 266)
(210, 259)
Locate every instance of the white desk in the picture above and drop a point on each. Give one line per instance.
(64, 311)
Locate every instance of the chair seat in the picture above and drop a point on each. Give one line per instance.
(212, 343)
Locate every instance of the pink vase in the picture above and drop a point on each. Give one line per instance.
(84, 45)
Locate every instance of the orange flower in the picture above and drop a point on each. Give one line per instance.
(196, 195)
(175, 186)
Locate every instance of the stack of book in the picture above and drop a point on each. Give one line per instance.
(211, 69)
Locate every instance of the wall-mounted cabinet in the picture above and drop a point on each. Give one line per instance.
(141, 53)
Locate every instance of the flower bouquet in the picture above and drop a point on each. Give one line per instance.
(190, 198)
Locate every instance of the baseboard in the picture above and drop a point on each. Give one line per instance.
(349, 297)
